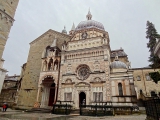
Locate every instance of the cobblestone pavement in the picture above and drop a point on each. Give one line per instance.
(21, 115)
(47, 116)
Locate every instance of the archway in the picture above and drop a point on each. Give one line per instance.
(82, 98)
(48, 91)
(51, 95)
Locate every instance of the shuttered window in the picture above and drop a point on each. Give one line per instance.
(97, 96)
(67, 96)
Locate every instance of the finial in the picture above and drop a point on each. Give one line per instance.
(89, 16)
(73, 27)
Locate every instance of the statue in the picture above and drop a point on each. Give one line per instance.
(44, 65)
(55, 67)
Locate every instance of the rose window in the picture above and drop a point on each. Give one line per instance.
(83, 72)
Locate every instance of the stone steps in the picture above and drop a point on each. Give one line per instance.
(40, 110)
(75, 112)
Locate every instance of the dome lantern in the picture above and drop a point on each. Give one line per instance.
(89, 16)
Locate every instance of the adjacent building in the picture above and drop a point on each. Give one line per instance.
(9, 90)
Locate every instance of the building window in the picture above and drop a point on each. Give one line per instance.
(67, 96)
(148, 77)
(120, 89)
(97, 96)
(138, 78)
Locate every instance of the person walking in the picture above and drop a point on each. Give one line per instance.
(4, 107)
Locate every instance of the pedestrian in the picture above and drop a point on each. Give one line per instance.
(4, 107)
(84, 101)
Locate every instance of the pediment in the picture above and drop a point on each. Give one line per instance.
(82, 84)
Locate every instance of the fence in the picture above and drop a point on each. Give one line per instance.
(96, 110)
(64, 109)
(153, 109)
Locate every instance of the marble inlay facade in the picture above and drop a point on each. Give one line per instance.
(78, 67)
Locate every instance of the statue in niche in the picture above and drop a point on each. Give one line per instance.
(50, 64)
(55, 67)
(56, 64)
(44, 65)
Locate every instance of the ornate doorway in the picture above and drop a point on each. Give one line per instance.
(82, 98)
(51, 95)
(48, 92)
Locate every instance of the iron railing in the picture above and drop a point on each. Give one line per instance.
(153, 108)
(96, 110)
(64, 109)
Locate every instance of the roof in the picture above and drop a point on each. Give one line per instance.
(89, 24)
(119, 52)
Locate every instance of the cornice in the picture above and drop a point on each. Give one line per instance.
(88, 29)
(85, 49)
(7, 15)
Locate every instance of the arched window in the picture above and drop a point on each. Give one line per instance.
(120, 89)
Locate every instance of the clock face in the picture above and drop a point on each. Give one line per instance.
(83, 72)
(84, 35)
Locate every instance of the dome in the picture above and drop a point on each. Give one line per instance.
(64, 30)
(118, 64)
(89, 24)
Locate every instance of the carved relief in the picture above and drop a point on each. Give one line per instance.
(82, 84)
(96, 66)
(69, 68)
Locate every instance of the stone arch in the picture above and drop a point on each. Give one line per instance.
(120, 89)
(50, 64)
(44, 76)
(97, 79)
(68, 80)
(56, 64)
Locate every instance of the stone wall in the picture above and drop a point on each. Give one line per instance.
(29, 85)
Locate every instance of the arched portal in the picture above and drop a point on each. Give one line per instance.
(51, 95)
(82, 98)
(48, 91)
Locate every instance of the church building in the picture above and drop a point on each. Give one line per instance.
(78, 67)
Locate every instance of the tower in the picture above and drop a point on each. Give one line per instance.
(7, 12)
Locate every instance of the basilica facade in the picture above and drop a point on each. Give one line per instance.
(78, 67)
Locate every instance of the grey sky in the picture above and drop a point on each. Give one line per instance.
(125, 20)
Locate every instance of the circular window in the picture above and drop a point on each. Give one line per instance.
(83, 72)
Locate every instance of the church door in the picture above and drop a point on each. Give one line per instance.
(82, 98)
(51, 95)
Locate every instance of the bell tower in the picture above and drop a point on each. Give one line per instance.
(7, 12)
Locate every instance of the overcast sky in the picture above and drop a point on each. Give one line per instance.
(124, 20)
